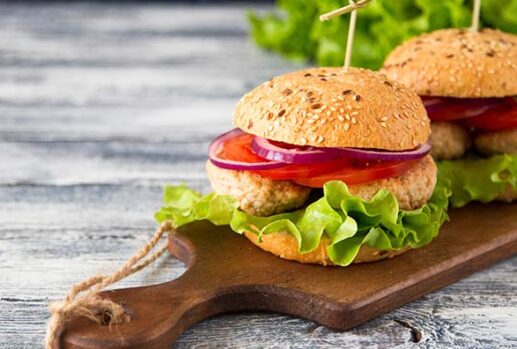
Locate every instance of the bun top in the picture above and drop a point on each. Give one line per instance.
(457, 63)
(328, 107)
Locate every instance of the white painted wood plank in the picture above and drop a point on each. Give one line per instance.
(102, 104)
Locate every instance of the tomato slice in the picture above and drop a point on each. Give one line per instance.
(449, 109)
(500, 119)
(315, 175)
(294, 171)
(358, 174)
(239, 149)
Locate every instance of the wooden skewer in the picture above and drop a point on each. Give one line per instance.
(475, 15)
(350, 40)
(352, 7)
(340, 11)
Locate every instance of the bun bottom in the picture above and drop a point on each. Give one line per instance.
(284, 245)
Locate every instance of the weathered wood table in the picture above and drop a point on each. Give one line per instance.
(100, 106)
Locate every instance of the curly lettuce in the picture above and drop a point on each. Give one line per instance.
(296, 32)
(348, 221)
(478, 179)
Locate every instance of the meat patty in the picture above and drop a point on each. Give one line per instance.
(412, 188)
(449, 140)
(497, 142)
(259, 196)
(262, 196)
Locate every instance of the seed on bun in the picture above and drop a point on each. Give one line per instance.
(328, 107)
(457, 63)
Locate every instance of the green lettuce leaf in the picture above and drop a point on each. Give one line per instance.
(296, 32)
(346, 220)
(478, 179)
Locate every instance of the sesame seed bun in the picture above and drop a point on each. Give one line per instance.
(457, 63)
(284, 245)
(328, 107)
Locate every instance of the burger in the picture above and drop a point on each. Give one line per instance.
(325, 166)
(468, 83)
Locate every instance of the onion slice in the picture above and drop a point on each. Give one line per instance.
(296, 155)
(271, 151)
(217, 146)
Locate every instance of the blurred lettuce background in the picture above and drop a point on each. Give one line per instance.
(296, 32)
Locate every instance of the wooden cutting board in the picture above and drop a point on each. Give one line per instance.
(226, 273)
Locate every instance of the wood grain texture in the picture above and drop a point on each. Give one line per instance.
(226, 273)
(100, 105)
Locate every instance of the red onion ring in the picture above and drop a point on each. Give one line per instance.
(217, 145)
(464, 107)
(266, 149)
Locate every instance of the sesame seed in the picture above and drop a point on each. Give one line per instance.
(354, 121)
(311, 121)
(347, 117)
(347, 126)
(383, 124)
(341, 118)
(304, 140)
(321, 139)
(281, 112)
(384, 118)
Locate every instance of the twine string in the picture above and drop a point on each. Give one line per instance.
(83, 300)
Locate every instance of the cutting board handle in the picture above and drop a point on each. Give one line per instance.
(161, 313)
